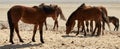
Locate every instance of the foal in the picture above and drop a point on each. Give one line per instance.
(115, 21)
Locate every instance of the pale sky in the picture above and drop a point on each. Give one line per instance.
(56, 1)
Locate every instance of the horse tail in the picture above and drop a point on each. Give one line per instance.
(106, 19)
(61, 14)
(117, 24)
(11, 25)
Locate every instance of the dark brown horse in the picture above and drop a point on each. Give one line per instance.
(58, 12)
(103, 21)
(31, 15)
(84, 13)
(91, 22)
(115, 21)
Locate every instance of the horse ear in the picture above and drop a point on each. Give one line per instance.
(82, 5)
(56, 6)
(50, 4)
(42, 3)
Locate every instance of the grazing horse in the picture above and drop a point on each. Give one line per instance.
(58, 12)
(115, 21)
(84, 13)
(31, 15)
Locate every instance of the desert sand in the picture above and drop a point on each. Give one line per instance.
(57, 39)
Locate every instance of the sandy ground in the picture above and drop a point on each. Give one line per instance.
(56, 39)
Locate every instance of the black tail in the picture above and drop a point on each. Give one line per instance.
(118, 25)
(11, 25)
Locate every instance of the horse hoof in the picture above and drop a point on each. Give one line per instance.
(76, 34)
(22, 41)
(97, 35)
(92, 35)
(42, 41)
(33, 41)
(46, 29)
(11, 42)
(85, 35)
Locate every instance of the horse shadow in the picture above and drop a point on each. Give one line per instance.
(14, 46)
(81, 35)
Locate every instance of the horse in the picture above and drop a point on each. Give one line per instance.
(91, 22)
(115, 21)
(84, 13)
(58, 12)
(31, 15)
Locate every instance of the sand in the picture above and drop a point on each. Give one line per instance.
(57, 39)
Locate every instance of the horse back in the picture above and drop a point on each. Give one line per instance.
(26, 14)
(113, 19)
(90, 13)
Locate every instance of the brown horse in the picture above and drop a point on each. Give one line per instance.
(84, 13)
(103, 21)
(115, 21)
(31, 15)
(91, 22)
(58, 12)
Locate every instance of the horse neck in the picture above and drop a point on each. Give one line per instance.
(71, 19)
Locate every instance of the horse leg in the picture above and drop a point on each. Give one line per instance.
(78, 28)
(17, 31)
(11, 34)
(54, 25)
(34, 32)
(93, 33)
(87, 23)
(91, 26)
(46, 25)
(41, 32)
(116, 27)
(57, 24)
(84, 29)
(99, 29)
(103, 27)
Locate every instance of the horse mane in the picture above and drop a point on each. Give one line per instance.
(72, 15)
(82, 5)
(70, 19)
(110, 17)
(48, 9)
